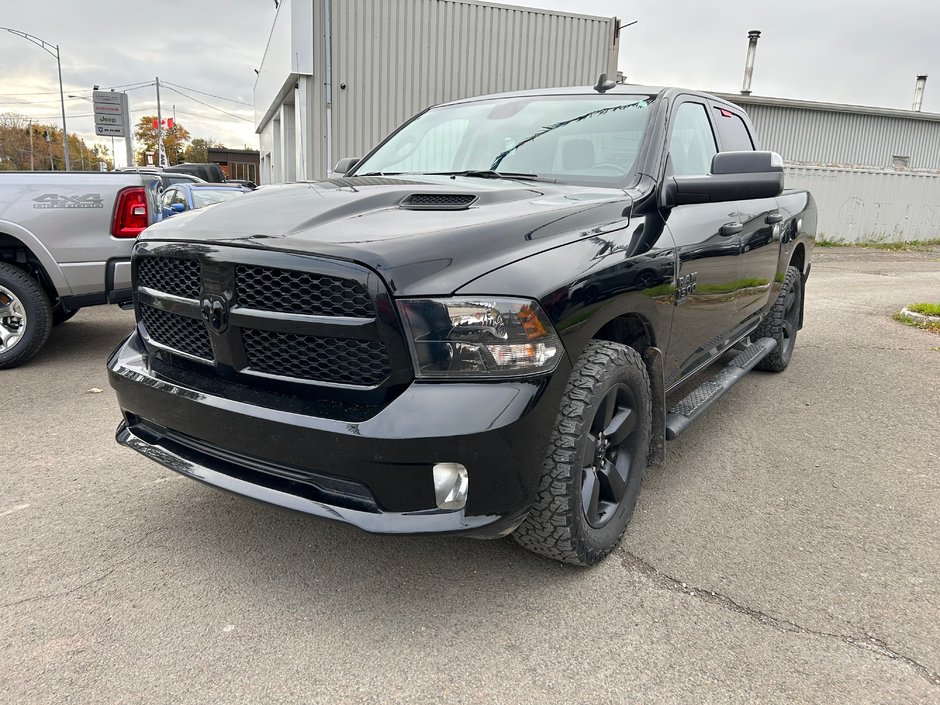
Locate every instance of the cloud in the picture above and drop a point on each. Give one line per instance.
(830, 50)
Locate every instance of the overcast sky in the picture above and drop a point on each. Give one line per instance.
(830, 50)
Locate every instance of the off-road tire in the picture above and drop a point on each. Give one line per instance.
(556, 526)
(775, 324)
(60, 314)
(38, 315)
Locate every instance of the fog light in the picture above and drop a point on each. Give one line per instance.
(451, 485)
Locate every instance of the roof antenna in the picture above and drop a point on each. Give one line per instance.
(603, 85)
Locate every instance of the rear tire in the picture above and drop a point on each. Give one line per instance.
(783, 322)
(592, 472)
(25, 316)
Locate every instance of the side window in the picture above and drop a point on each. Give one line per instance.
(732, 132)
(167, 197)
(692, 144)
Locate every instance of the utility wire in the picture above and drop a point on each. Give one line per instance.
(209, 105)
(211, 95)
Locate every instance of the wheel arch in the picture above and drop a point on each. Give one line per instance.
(630, 329)
(637, 332)
(20, 247)
(798, 259)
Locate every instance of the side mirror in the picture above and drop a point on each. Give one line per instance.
(735, 176)
(345, 165)
(177, 207)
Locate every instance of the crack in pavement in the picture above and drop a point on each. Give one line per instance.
(97, 579)
(870, 643)
(64, 593)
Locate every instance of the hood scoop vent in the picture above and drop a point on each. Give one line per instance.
(437, 201)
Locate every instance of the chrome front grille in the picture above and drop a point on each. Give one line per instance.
(266, 314)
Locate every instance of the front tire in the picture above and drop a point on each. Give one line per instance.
(25, 316)
(592, 472)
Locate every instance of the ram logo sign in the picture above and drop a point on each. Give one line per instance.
(55, 200)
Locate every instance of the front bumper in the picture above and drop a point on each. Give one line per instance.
(375, 474)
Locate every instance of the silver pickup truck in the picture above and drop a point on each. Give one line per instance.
(65, 243)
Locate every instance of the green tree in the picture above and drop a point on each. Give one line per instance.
(175, 140)
(198, 150)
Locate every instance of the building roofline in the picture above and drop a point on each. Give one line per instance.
(534, 10)
(827, 107)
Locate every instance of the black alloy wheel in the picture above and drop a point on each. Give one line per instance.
(596, 458)
(610, 453)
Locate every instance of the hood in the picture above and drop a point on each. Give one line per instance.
(425, 235)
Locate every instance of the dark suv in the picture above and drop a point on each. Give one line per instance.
(474, 329)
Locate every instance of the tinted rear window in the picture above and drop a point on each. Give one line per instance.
(732, 131)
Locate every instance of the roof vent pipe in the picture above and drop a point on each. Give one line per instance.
(919, 92)
(752, 38)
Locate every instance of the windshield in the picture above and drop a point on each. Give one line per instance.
(590, 140)
(207, 196)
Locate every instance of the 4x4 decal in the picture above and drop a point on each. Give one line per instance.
(55, 200)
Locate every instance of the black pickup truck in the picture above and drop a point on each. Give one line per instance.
(474, 328)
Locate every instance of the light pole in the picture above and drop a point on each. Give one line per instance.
(46, 46)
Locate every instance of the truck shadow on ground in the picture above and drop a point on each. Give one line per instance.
(84, 338)
(220, 544)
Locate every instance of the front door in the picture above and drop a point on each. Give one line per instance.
(708, 242)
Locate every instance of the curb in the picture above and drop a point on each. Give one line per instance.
(913, 315)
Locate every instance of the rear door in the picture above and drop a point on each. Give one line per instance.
(759, 220)
(706, 312)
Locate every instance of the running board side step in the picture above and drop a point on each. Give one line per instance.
(706, 395)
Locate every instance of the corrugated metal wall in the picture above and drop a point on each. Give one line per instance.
(845, 138)
(858, 205)
(397, 57)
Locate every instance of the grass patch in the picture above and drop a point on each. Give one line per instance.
(661, 290)
(926, 309)
(891, 246)
(928, 326)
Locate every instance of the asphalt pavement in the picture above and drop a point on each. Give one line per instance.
(789, 551)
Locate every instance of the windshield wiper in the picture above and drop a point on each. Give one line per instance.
(472, 173)
(486, 174)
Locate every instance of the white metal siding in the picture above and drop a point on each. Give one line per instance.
(398, 57)
(858, 205)
(826, 137)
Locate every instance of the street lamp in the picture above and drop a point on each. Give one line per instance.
(47, 47)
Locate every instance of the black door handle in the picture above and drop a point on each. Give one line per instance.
(773, 219)
(730, 229)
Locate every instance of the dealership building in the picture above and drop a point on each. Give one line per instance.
(338, 76)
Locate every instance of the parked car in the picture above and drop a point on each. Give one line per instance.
(186, 197)
(474, 330)
(166, 178)
(65, 243)
(243, 182)
(171, 179)
(207, 172)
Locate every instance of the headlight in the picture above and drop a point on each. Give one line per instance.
(479, 337)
